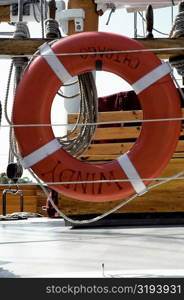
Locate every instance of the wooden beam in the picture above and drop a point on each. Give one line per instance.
(115, 133)
(115, 116)
(52, 9)
(10, 47)
(112, 150)
(165, 47)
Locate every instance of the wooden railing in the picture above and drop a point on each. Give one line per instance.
(34, 199)
(110, 150)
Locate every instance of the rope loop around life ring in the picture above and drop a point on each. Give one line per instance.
(158, 97)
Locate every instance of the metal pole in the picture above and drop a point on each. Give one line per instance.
(135, 25)
(20, 10)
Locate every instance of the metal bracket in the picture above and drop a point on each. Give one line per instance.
(77, 15)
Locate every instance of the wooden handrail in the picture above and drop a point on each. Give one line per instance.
(111, 150)
(160, 46)
(112, 116)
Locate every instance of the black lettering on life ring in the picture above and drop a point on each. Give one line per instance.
(132, 62)
(109, 177)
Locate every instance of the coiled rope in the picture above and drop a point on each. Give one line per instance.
(177, 30)
(52, 29)
(88, 113)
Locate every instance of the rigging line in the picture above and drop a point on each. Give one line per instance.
(9, 56)
(110, 15)
(96, 53)
(92, 124)
(172, 12)
(42, 17)
(135, 24)
(141, 15)
(160, 179)
(7, 94)
(34, 13)
(68, 97)
(95, 219)
(177, 84)
(69, 84)
(77, 221)
(143, 21)
(20, 10)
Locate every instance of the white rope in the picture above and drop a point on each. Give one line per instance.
(79, 222)
(92, 124)
(161, 179)
(97, 52)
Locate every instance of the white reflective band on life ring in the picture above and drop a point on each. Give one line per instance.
(41, 153)
(151, 77)
(132, 174)
(54, 63)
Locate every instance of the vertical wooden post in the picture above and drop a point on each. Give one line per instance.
(5, 13)
(52, 9)
(91, 16)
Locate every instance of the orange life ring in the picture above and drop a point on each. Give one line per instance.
(158, 97)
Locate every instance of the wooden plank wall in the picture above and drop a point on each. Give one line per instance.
(111, 150)
(171, 47)
(5, 13)
(165, 198)
(168, 197)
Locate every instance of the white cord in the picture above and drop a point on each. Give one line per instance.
(96, 123)
(98, 52)
(79, 222)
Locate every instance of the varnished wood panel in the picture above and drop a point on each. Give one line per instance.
(5, 13)
(114, 116)
(164, 198)
(115, 133)
(30, 199)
